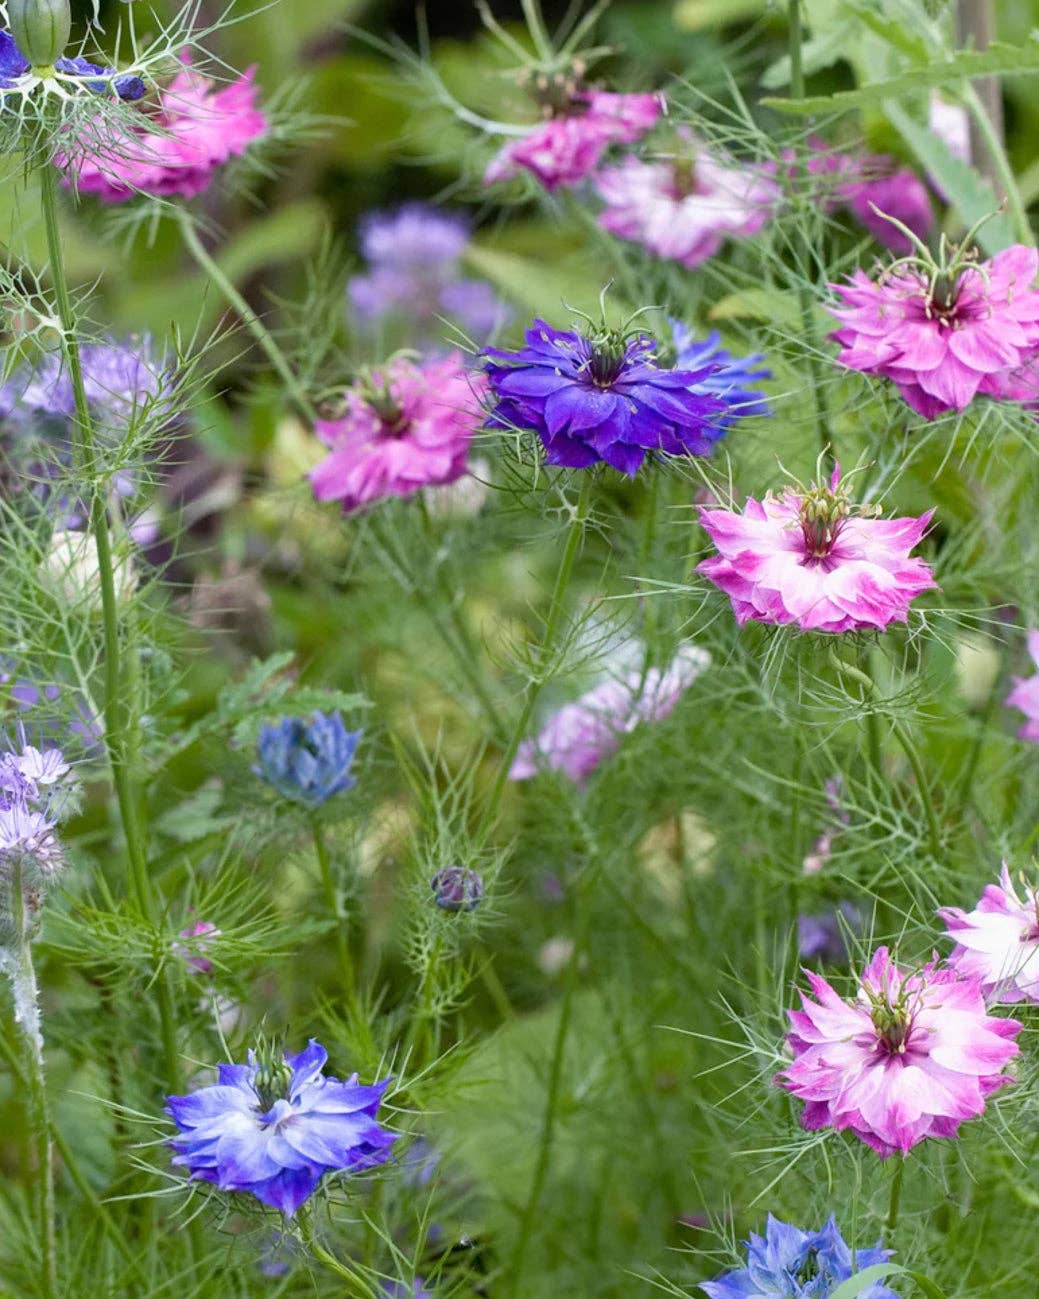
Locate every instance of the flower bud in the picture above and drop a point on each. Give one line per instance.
(41, 29)
(456, 888)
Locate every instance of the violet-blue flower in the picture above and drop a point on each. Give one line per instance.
(14, 67)
(788, 1263)
(457, 888)
(307, 760)
(275, 1126)
(602, 397)
(120, 379)
(731, 378)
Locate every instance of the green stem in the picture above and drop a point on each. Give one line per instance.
(333, 902)
(649, 536)
(552, 621)
(119, 716)
(26, 998)
(359, 1286)
(249, 318)
(795, 38)
(896, 1193)
(1001, 164)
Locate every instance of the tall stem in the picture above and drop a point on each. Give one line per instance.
(249, 318)
(896, 1193)
(119, 713)
(333, 902)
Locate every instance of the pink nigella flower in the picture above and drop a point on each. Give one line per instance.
(1025, 694)
(197, 938)
(913, 1056)
(897, 191)
(811, 557)
(568, 146)
(998, 942)
(577, 738)
(684, 209)
(942, 331)
(198, 127)
(409, 427)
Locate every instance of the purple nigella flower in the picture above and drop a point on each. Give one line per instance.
(788, 1263)
(14, 66)
(602, 398)
(456, 888)
(730, 378)
(34, 793)
(275, 1126)
(120, 379)
(414, 257)
(824, 937)
(308, 760)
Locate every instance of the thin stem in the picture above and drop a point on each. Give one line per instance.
(26, 999)
(552, 621)
(795, 38)
(249, 318)
(649, 536)
(118, 710)
(896, 1193)
(359, 1286)
(334, 904)
(1000, 165)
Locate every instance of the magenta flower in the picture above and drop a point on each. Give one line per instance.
(407, 427)
(582, 734)
(998, 942)
(913, 1056)
(197, 129)
(567, 148)
(1025, 694)
(197, 939)
(945, 331)
(813, 558)
(683, 209)
(896, 191)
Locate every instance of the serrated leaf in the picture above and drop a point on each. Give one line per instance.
(998, 60)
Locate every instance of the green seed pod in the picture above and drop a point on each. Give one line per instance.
(41, 29)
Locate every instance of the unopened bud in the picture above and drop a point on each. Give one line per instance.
(456, 888)
(41, 29)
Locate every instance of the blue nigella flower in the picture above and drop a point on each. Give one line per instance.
(14, 66)
(731, 377)
(603, 397)
(788, 1263)
(308, 760)
(274, 1127)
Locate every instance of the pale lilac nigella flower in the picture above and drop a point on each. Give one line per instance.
(788, 1263)
(274, 1127)
(683, 209)
(581, 125)
(811, 557)
(414, 257)
(998, 942)
(951, 124)
(582, 734)
(199, 127)
(36, 790)
(406, 427)
(121, 379)
(823, 936)
(943, 331)
(198, 938)
(913, 1056)
(1025, 694)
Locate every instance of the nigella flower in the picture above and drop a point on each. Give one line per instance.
(580, 126)
(730, 377)
(602, 397)
(199, 127)
(68, 75)
(881, 185)
(197, 939)
(788, 1263)
(307, 760)
(998, 942)
(414, 257)
(457, 888)
(275, 1126)
(942, 331)
(121, 380)
(822, 849)
(1025, 694)
(913, 1056)
(406, 1290)
(582, 734)
(406, 427)
(824, 937)
(35, 792)
(810, 556)
(684, 208)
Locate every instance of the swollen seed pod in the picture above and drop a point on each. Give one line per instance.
(41, 29)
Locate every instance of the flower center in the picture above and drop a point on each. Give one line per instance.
(822, 515)
(273, 1075)
(809, 1268)
(683, 178)
(381, 400)
(609, 353)
(893, 1025)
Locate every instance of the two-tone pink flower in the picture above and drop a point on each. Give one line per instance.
(998, 942)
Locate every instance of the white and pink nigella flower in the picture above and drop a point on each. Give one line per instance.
(1025, 694)
(582, 734)
(409, 427)
(942, 336)
(811, 557)
(998, 942)
(684, 209)
(913, 1056)
(569, 145)
(198, 127)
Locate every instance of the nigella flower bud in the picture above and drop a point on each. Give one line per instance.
(41, 29)
(457, 888)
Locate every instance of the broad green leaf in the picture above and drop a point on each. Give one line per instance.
(545, 291)
(758, 304)
(970, 194)
(855, 1285)
(694, 15)
(998, 60)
